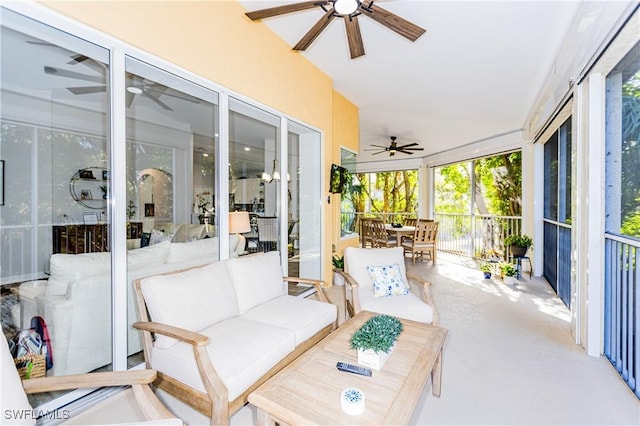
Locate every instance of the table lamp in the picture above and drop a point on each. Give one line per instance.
(238, 224)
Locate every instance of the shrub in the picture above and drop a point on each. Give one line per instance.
(523, 241)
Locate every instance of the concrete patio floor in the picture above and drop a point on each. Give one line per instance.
(509, 359)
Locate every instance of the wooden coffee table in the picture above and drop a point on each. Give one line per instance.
(308, 390)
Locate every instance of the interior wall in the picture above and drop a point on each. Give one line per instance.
(216, 41)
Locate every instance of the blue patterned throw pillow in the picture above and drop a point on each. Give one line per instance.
(387, 280)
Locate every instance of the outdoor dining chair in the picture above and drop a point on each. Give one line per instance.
(381, 237)
(423, 241)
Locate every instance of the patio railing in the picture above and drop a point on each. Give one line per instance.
(622, 307)
(475, 235)
(467, 235)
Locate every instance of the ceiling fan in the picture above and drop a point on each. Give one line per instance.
(393, 148)
(349, 10)
(135, 85)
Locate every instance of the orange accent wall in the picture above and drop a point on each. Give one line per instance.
(215, 40)
(346, 134)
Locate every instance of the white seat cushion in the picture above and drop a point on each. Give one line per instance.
(192, 299)
(241, 351)
(408, 306)
(304, 317)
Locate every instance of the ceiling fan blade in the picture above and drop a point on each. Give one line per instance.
(379, 146)
(405, 152)
(155, 99)
(354, 37)
(408, 145)
(86, 90)
(400, 25)
(379, 152)
(130, 97)
(315, 31)
(165, 92)
(72, 74)
(88, 62)
(281, 10)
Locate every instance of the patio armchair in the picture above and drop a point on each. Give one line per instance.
(146, 409)
(423, 240)
(362, 293)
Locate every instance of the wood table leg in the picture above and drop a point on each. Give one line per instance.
(436, 375)
(264, 419)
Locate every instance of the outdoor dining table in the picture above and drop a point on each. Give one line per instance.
(399, 232)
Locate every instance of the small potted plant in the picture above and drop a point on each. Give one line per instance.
(375, 340)
(338, 267)
(486, 267)
(518, 244)
(508, 273)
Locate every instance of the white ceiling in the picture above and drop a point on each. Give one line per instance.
(475, 74)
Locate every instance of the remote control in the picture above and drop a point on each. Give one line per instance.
(355, 369)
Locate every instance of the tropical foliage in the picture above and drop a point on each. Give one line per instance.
(630, 155)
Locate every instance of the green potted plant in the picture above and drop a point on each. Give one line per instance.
(338, 267)
(486, 268)
(509, 272)
(376, 339)
(518, 244)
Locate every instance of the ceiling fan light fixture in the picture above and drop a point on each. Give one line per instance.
(134, 90)
(345, 7)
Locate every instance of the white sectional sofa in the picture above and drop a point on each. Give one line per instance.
(76, 299)
(223, 329)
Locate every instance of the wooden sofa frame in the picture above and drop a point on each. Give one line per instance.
(214, 403)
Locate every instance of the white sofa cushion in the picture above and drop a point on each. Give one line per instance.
(407, 306)
(74, 267)
(357, 260)
(206, 248)
(150, 255)
(305, 317)
(13, 399)
(186, 232)
(257, 278)
(192, 299)
(241, 351)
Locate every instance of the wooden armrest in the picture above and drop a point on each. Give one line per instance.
(319, 284)
(349, 279)
(89, 380)
(426, 296)
(187, 336)
(304, 280)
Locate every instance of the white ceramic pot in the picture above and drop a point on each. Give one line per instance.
(373, 359)
(338, 279)
(509, 280)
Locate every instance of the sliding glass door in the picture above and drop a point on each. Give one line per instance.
(54, 195)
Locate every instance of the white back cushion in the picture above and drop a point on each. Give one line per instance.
(186, 232)
(202, 249)
(149, 255)
(356, 261)
(13, 399)
(257, 278)
(71, 267)
(192, 299)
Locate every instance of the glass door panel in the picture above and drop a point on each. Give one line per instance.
(54, 151)
(171, 130)
(304, 198)
(254, 177)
